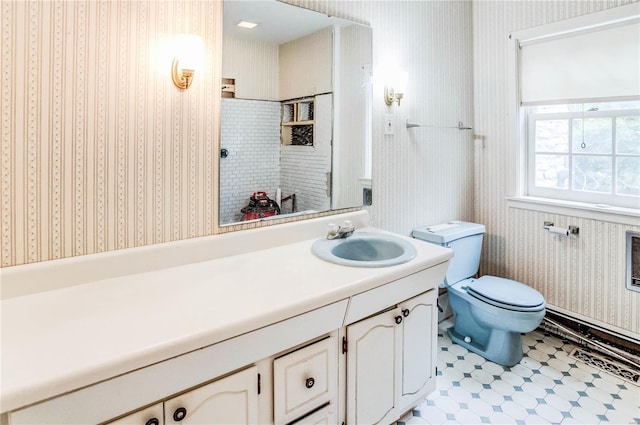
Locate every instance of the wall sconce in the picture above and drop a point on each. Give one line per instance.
(188, 57)
(395, 87)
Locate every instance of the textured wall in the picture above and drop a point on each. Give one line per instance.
(241, 59)
(422, 175)
(584, 276)
(306, 65)
(581, 275)
(100, 150)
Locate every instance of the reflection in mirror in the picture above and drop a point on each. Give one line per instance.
(296, 112)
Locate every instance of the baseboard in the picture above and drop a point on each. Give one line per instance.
(596, 339)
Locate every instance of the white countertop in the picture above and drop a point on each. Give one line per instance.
(64, 339)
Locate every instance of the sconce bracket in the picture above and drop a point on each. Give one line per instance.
(182, 78)
(389, 95)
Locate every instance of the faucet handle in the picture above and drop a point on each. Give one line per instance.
(348, 224)
(332, 230)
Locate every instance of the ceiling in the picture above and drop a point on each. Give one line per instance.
(277, 22)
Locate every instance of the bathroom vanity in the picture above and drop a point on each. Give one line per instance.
(247, 327)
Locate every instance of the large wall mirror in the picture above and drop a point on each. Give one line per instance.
(296, 112)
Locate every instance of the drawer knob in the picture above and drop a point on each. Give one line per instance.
(405, 312)
(179, 414)
(153, 421)
(310, 382)
(398, 319)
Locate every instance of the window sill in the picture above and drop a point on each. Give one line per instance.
(628, 216)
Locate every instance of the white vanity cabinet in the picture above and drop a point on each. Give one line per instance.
(419, 349)
(324, 416)
(280, 359)
(391, 361)
(230, 400)
(150, 416)
(306, 380)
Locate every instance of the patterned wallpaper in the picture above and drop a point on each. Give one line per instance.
(240, 60)
(421, 175)
(582, 276)
(100, 151)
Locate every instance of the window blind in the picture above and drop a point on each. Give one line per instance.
(602, 62)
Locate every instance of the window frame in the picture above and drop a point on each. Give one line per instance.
(609, 198)
(518, 131)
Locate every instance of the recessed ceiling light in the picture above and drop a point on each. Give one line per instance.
(247, 24)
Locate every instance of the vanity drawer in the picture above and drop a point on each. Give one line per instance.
(305, 379)
(324, 416)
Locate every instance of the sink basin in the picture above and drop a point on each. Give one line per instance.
(365, 249)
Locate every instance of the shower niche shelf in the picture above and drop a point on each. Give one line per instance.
(297, 121)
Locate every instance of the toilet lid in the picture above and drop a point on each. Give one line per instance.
(506, 293)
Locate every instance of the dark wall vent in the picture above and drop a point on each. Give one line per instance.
(633, 261)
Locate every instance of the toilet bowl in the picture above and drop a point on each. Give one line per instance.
(490, 313)
(493, 328)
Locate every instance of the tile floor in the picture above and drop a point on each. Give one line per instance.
(546, 387)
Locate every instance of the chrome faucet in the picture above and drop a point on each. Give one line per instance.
(340, 232)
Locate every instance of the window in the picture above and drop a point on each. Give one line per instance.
(586, 152)
(576, 88)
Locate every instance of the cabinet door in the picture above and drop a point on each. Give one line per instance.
(231, 400)
(418, 349)
(149, 416)
(373, 355)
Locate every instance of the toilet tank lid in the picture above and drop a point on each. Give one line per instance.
(447, 232)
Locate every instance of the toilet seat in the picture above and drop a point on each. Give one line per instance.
(506, 293)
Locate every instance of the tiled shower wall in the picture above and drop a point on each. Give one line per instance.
(304, 169)
(250, 132)
(582, 276)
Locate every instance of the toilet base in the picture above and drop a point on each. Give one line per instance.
(501, 347)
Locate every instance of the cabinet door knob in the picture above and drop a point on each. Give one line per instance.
(179, 414)
(405, 312)
(398, 319)
(310, 382)
(153, 421)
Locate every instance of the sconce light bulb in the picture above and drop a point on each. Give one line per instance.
(395, 87)
(188, 58)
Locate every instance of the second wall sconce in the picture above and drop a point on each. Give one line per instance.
(395, 86)
(188, 57)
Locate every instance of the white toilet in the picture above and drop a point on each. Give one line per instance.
(490, 313)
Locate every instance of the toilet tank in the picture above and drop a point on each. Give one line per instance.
(464, 238)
